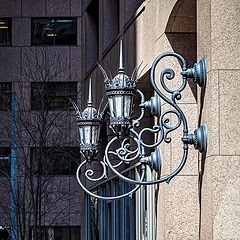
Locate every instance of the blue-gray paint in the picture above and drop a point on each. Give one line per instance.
(13, 176)
(120, 92)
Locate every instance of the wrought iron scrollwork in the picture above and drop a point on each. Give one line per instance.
(129, 146)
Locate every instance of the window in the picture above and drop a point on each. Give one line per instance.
(4, 234)
(5, 153)
(54, 31)
(126, 218)
(111, 219)
(55, 161)
(52, 96)
(59, 233)
(5, 95)
(5, 32)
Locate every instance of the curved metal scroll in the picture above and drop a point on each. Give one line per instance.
(129, 154)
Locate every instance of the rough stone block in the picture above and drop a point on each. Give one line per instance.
(229, 87)
(59, 59)
(225, 34)
(180, 208)
(226, 197)
(10, 8)
(206, 199)
(21, 28)
(58, 8)
(76, 8)
(210, 112)
(33, 8)
(10, 64)
(75, 63)
(204, 30)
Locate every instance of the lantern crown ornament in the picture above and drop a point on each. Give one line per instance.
(121, 82)
(89, 123)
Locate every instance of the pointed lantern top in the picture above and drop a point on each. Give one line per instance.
(89, 113)
(120, 81)
(90, 101)
(121, 66)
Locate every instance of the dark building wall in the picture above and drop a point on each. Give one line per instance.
(16, 60)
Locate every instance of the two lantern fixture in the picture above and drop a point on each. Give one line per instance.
(128, 147)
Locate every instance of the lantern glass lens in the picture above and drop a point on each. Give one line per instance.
(111, 108)
(82, 141)
(94, 134)
(87, 134)
(118, 105)
(127, 105)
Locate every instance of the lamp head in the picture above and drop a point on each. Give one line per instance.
(89, 124)
(120, 91)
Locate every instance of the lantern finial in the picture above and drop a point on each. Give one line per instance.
(121, 67)
(90, 102)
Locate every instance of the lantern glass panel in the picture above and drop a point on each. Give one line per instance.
(111, 109)
(81, 134)
(94, 134)
(128, 105)
(118, 105)
(87, 134)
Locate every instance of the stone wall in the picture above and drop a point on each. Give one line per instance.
(219, 41)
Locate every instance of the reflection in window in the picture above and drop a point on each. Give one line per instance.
(111, 219)
(5, 32)
(46, 31)
(4, 234)
(5, 95)
(53, 95)
(58, 233)
(127, 218)
(55, 161)
(5, 153)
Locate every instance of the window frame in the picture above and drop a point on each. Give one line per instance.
(47, 94)
(5, 161)
(74, 157)
(44, 231)
(10, 31)
(3, 94)
(114, 214)
(54, 19)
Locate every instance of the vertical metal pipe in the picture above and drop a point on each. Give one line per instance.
(114, 215)
(13, 174)
(87, 219)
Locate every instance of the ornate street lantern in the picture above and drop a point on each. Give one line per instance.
(120, 91)
(89, 123)
(128, 145)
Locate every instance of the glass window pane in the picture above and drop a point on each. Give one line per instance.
(65, 33)
(55, 161)
(5, 161)
(5, 32)
(53, 96)
(75, 233)
(5, 96)
(43, 32)
(4, 234)
(54, 31)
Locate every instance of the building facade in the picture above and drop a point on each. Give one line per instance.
(48, 53)
(202, 201)
(40, 48)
